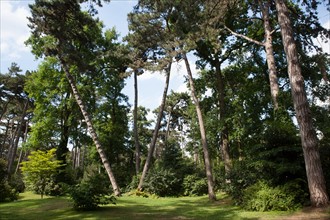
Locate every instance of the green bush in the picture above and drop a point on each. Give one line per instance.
(194, 185)
(16, 181)
(162, 182)
(263, 197)
(91, 192)
(7, 192)
(241, 176)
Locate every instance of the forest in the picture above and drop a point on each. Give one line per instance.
(253, 124)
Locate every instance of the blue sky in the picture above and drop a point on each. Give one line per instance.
(14, 31)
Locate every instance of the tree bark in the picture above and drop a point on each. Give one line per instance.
(315, 178)
(136, 132)
(207, 161)
(224, 142)
(268, 44)
(24, 141)
(155, 134)
(13, 152)
(91, 129)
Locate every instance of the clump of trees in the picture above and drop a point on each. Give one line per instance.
(247, 124)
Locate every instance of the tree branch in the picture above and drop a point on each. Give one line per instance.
(243, 36)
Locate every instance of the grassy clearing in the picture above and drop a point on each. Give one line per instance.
(30, 206)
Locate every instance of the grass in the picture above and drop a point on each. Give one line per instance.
(30, 206)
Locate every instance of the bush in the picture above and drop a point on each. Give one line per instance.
(7, 192)
(263, 197)
(194, 185)
(16, 181)
(241, 176)
(133, 184)
(162, 182)
(91, 192)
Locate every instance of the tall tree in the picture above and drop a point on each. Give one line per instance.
(157, 126)
(156, 53)
(208, 166)
(267, 44)
(315, 177)
(61, 29)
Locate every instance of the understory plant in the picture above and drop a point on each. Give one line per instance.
(92, 192)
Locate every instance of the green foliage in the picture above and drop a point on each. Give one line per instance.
(194, 185)
(91, 192)
(16, 181)
(40, 168)
(7, 192)
(162, 182)
(239, 178)
(264, 197)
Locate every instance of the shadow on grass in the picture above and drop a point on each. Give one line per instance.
(126, 208)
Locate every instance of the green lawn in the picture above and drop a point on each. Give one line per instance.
(30, 206)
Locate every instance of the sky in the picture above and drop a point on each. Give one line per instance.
(14, 31)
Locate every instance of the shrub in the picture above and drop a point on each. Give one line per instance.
(194, 185)
(7, 192)
(16, 181)
(91, 192)
(241, 176)
(162, 182)
(263, 197)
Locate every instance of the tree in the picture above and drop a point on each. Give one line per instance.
(156, 51)
(208, 166)
(60, 29)
(157, 126)
(315, 177)
(39, 168)
(14, 105)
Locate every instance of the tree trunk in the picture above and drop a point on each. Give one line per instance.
(315, 178)
(5, 137)
(91, 129)
(224, 142)
(167, 134)
(13, 152)
(4, 110)
(155, 134)
(24, 141)
(268, 44)
(207, 161)
(136, 133)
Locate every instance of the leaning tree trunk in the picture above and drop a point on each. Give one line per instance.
(315, 178)
(136, 133)
(268, 44)
(157, 126)
(91, 128)
(207, 161)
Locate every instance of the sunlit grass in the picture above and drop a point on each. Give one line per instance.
(31, 206)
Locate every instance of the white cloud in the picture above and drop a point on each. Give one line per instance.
(14, 30)
(149, 75)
